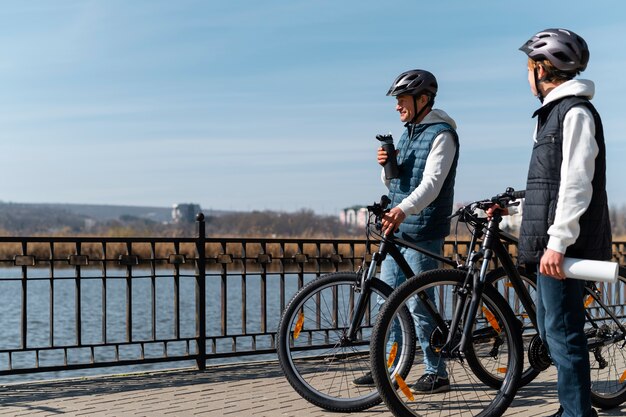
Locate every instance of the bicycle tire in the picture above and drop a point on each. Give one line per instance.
(468, 396)
(500, 280)
(323, 375)
(607, 353)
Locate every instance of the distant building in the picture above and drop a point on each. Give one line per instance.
(185, 212)
(354, 216)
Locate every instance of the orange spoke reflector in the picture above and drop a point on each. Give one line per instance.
(622, 378)
(524, 315)
(299, 323)
(404, 388)
(392, 354)
(502, 370)
(588, 301)
(508, 284)
(492, 320)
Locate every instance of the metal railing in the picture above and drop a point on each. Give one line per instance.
(86, 302)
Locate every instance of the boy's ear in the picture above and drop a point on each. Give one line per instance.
(541, 70)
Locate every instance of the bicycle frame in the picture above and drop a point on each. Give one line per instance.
(389, 246)
(492, 246)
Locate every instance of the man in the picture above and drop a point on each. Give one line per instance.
(566, 208)
(421, 200)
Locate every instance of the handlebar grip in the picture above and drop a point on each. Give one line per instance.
(384, 201)
(518, 194)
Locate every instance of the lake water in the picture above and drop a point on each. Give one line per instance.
(63, 299)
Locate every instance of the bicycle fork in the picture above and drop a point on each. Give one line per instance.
(456, 344)
(475, 290)
(364, 289)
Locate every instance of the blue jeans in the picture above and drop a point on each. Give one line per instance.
(561, 322)
(391, 274)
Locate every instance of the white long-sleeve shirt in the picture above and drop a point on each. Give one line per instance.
(577, 168)
(436, 169)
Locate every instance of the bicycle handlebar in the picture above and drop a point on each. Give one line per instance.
(505, 199)
(510, 195)
(378, 209)
(465, 213)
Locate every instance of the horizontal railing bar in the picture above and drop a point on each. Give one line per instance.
(75, 366)
(99, 345)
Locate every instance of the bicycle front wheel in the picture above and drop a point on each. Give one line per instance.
(318, 358)
(502, 283)
(495, 338)
(606, 339)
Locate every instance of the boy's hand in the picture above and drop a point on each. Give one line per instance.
(492, 209)
(551, 264)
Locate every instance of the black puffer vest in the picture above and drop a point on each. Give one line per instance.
(542, 187)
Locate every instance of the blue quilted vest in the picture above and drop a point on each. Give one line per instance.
(414, 147)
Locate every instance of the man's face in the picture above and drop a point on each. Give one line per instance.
(406, 107)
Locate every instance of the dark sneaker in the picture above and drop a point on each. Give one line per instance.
(559, 413)
(430, 384)
(364, 381)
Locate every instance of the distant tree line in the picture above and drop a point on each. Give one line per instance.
(25, 220)
(303, 223)
(29, 220)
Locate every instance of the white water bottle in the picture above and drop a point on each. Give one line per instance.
(589, 270)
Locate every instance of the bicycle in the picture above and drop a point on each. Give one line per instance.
(480, 337)
(324, 332)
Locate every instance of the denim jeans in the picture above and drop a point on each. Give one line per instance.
(561, 322)
(391, 274)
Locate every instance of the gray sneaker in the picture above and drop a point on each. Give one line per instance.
(430, 384)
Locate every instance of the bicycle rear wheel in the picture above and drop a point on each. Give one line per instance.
(606, 340)
(317, 358)
(496, 344)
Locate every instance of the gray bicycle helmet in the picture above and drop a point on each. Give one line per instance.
(414, 83)
(563, 48)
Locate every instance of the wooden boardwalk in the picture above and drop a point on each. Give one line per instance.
(242, 390)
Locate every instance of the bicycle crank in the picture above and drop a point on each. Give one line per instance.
(538, 354)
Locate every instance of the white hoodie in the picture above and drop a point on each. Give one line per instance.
(579, 153)
(438, 163)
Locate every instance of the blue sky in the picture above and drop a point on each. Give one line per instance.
(254, 105)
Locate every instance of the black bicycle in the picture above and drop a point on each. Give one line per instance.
(324, 333)
(480, 338)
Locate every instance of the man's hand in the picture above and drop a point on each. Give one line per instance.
(392, 219)
(382, 156)
(551, 264)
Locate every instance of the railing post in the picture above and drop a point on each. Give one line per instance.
(201, 292)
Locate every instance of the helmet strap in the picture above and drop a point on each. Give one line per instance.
(418, 114)
(537, 81)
